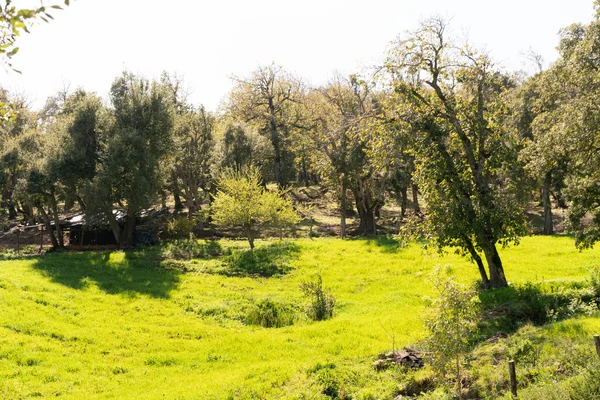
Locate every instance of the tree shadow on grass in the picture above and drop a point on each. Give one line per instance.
(508, 309)
(387, 244)
(267, 261)
(135, 272)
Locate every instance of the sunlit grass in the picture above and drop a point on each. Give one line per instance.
(119, 326)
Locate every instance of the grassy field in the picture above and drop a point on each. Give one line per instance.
(122, 326)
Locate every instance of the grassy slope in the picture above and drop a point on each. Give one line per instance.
(113, 325)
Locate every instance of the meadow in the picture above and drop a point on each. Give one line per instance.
(128, 325)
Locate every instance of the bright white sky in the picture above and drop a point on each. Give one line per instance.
(207, 41)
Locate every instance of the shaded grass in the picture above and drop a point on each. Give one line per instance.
(119, 326)
(113, 273)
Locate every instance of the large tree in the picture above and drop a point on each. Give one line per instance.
(340, 113)
(270, 100)
(466, 159)
(193, 144)
(568, 129)
(128, 174)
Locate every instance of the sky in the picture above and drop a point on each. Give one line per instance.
(207, 42)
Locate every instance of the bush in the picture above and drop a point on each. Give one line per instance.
(269, 314)
(509, 308)
(452, 324)
(595, 282)
(322, 301)
(191, 248)
(265, 261)
(180, 228)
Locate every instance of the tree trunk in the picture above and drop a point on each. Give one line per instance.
(277, 157)
(7, 202)
(415, 195)
(250, 236)
(176, 191)
(69, 202)
(54, 208)
(484, 277)
(48, 225)
(128, 231)
(114, 226)
(548, 227)
(497, 278)
(343, 206)
(366, 207)
(367, 221)
(403, 200)
(305, 173)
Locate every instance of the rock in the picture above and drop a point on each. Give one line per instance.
(496, 337)
(406, 358)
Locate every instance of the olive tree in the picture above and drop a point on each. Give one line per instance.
(128, 171)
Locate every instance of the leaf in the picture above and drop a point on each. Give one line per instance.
(67, 2)
(13, 52)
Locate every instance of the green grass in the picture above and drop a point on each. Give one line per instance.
(119, 326)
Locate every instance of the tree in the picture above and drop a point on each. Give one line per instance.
(239, 146)
(243, 203)
(270, 100)
(451, 324)
(466, 161)
(128, 174)
(340, 134)
(568, 128)
(193, 145)
(12, 155)
(533, 107)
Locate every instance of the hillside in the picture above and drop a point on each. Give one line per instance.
(126, 325)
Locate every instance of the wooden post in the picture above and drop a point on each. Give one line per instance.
(597, 343)
(513, 378)
(41, 238)
(18, 242)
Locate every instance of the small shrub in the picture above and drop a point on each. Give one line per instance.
(180, 228)
(452, 324)
(269, 314)
(190, 248)
(595, 282)
(265, 261)
(322, 301)
(8, 254)
(522, 350)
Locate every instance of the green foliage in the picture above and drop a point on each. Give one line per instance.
(265, 261)
(270, 314)
(179, 228)
(242, 203)
(270, 100)
(321, 299)
(187, 249)
(509, 308)
(595, 282)
(522, 351)
(14, 21)
(466, 157)
(452, 324)
(140, 138)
